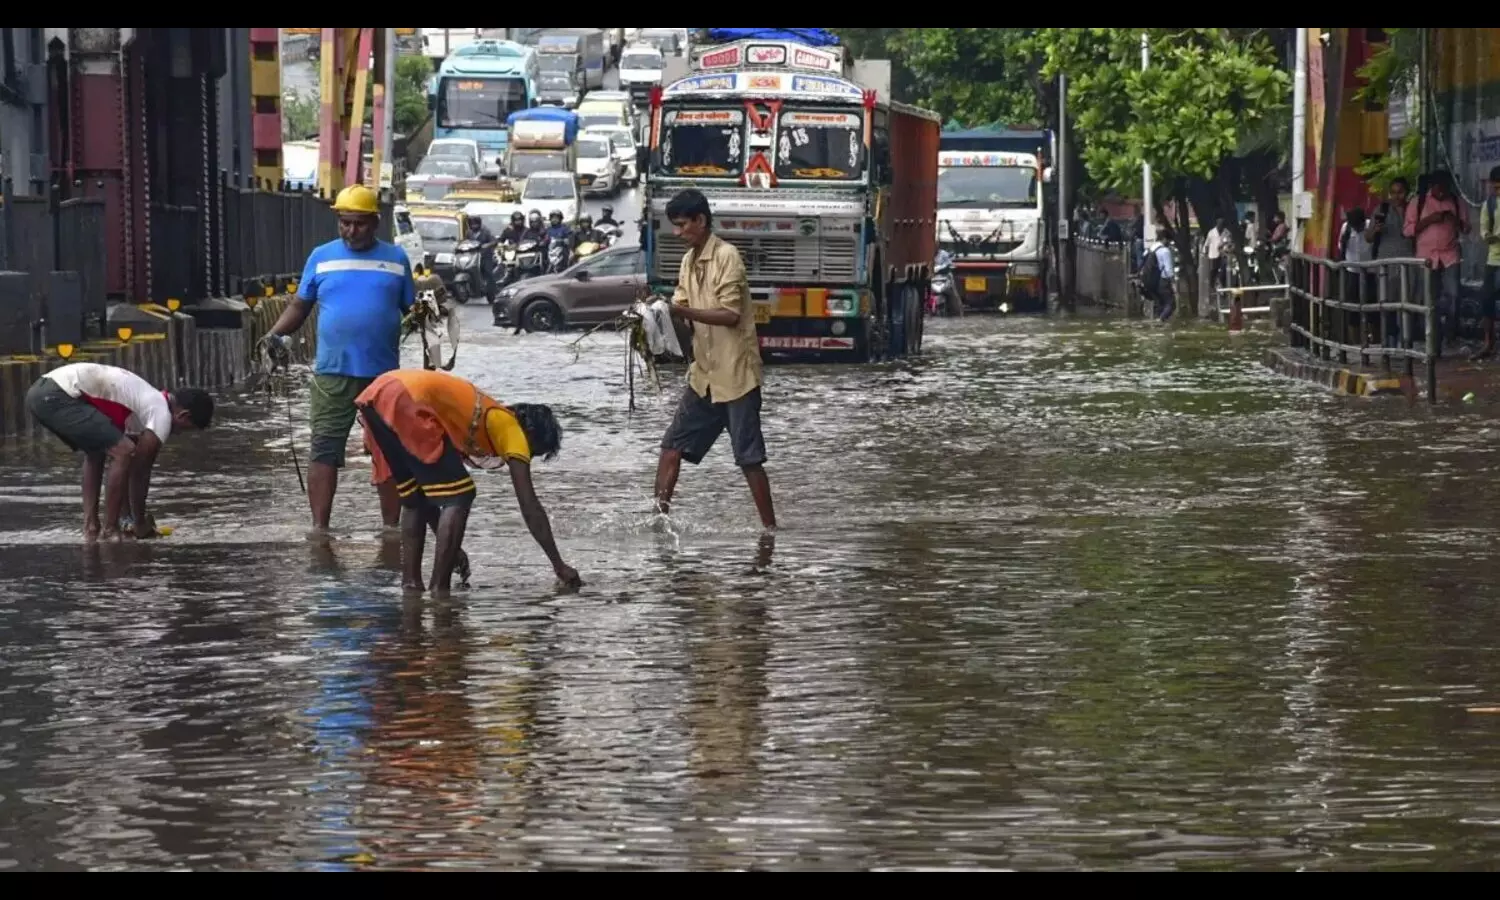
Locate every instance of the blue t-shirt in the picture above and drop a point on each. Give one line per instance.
(361, 297)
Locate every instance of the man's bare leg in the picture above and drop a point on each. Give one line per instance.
(390, 503)
(322, 483)
(451, 525)
(93, 482)
(760, 491)
(413, 543)
(668, 467)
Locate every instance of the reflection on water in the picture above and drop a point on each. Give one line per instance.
(1055, 596)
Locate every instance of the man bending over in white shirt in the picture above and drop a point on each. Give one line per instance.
(107, 411)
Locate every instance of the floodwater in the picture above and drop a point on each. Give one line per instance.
(1055, 596)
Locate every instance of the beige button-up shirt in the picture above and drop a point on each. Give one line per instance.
(726, 361)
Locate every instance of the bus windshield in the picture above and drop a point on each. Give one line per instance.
(480, 102)
(703, 143)
(820, 145)
(975, 187)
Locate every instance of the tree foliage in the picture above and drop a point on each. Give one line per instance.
(1209, 94)
(299, 112)
(1391, 71)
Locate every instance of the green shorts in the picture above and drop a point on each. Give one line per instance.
(330, 411)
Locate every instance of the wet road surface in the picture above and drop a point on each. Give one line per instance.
(1056, 596)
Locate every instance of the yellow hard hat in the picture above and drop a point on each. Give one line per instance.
(356, 198)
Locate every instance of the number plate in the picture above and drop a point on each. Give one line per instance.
(975, 283)
(762, 313)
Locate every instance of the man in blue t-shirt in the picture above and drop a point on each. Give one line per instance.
(362, 286)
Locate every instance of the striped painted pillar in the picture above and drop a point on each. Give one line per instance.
(265, 92)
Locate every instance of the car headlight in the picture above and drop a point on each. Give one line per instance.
(507, 293)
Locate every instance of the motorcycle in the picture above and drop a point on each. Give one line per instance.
(557, 256)
(943, 298)
(469, 279)
(599, 239)
(526, 261)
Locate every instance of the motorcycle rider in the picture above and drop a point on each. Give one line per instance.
(535, 229)
(516, 228)
(585, 232)
(486, 239)
(561, 233)
(607, 217)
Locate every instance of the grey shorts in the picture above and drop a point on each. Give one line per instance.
(699, 422)
(75, 421)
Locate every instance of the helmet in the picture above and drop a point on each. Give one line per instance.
(356, 198)
(475, 221)
(555, 215)
(609, 212)
(585, 222)
(517, 217)
(534, 217)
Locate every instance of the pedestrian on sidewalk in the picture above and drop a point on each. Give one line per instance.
(1490, 230)
(421, 427)
(363, 287)
(1388, 240)
(1159, 273)
(1435, 221)
(724, 380)
(109, 412)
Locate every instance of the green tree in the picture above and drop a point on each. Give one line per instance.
(412, 74)
(1210, 114)
(1391, 71)
(299, 118)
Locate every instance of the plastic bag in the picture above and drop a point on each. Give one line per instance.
(661, 335)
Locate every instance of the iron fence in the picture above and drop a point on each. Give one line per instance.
(54, 251)
(1378, 312)
(1103, 273)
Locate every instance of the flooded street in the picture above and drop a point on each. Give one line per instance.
(1055, 596)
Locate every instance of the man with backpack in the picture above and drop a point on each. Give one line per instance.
(1158, 275)
(1491, 233)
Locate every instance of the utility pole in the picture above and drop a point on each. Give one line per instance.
(1064, 208)
(1299, 138)
(1148, 210)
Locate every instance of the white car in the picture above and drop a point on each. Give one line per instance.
(408, 238)
(623, 138)
(557, 190)
(465, 147)
(599, 170)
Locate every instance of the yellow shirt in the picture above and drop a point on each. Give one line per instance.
(726, 361)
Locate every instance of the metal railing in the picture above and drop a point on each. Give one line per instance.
(1378, 312)
(1103, 273)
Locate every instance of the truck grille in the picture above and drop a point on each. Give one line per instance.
(830, 259)
(978, 251)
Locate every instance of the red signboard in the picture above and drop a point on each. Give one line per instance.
(720, 59)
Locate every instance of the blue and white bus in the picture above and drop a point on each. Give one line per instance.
(475, 91)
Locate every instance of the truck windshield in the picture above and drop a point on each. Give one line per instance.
(702, 143)
(558, 62)
(524, 165)
(557, 81)
(480, 102)
(976, 187)
(648, 61)
(820, 145)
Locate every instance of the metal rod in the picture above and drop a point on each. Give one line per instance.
(1299, 137)
(1148, 231)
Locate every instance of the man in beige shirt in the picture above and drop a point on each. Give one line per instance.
(723, 389)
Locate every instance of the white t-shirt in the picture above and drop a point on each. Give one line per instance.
(1215, 243)
(119, 394)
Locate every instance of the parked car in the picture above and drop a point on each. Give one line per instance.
(597, 289)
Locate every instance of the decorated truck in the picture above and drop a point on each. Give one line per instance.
(992, 215)
(826, 186)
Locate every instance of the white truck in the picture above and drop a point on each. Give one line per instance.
(992, 215)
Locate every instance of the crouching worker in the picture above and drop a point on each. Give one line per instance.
(105, 411)
(421, 427)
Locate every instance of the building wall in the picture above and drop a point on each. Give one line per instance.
(1464, 66)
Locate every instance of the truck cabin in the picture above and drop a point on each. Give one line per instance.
(765, 129)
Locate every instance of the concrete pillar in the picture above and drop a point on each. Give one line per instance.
(23, 110)
(265, 91)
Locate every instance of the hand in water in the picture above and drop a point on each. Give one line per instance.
(569, 576)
